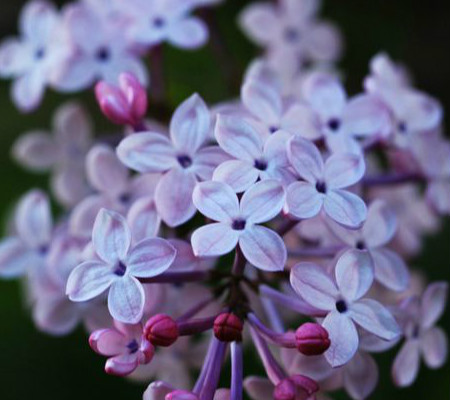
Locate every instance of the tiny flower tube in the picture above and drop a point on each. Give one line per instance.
(237, 371)
(297, 387)
(286, 340)
(228, 327)
(194, 326)
(125, 104)
(181, 395)
(213, 369)
(312, 339)
(161, 330)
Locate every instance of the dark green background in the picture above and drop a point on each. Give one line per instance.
(34, 366)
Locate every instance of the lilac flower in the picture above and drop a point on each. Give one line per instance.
(63, 152)
(292, 27)
(119, 267)
(423, 338)
(378, 230)
(33, 59)
(166, 20)
(339, 120)
(344, 303)
(183, 159)
(324, 184)
(385, 72)
(125, 346)
(255, 158)
(26, 251)
(101, 51)
(238, 223)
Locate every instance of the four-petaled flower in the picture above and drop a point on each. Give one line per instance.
(118, 268)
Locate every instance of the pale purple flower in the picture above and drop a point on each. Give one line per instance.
(344, 302)
(62, 152)
(157, 21)
(118, 268)
(292, 27)
(183, 159)
(26, 251)
(255, 157)
(424, 340)
(324, 184)
(33, 59)
(158, 390)
(125, 347)
(378, 230)
(239, 223)
(385, 71)
(341, 121)
(100, 50)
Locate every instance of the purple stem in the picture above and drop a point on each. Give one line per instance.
(325, 252)
(239, 262)
(195, 309)
(205, 367)
(237, 371)
(178, 277)
(273, 370)
(281, 339)
(286, 226)
(213, 373)
(292, 303)
(195, 326)
(393, 179)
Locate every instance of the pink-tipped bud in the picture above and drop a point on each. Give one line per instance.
(181, 395)
(161, 330)
(312, 339)
(228, 327)
(297, 387)
(125, 104)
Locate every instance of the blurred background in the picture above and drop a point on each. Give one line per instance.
(36, 366)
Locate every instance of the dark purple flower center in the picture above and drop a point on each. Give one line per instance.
(291, 34)
(238, 224)
(360, 245)
(334, 124)
(158, 22)
(416, 332)
(103, 54)
(133, 346)
(121, 268)
(125, 198)
(260, 164)
(43, 249)
(402, 127)
(184, 160)
(273, 129)
(39, 54)
(341, 306)
(321, 187)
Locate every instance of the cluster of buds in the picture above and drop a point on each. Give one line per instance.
(323, 200)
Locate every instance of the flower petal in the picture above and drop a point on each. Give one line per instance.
(433, 303)
(188, 33)
(361, 376)
(302, 121)
(157, 391)
(207, 160)
(380, 225)
(214, 240)
(143, 219)
(88, 280)
(216, 200)
(147, 152)
(150, 257)
(390, 269)
(343, 336)
(121, 365)
(173, 196)
(260, 22)
(15, 259)
(263, 201)
(354, 274)
(35, 151)
(263, 248)
(306, 159)
(28, 91)
(190, 124)
(435, 348)
(108, 342)
(258, 388)
(238, 174)
(303, 200)
(345, 208)
(126, 300)
(111, 236)
(406, 364)
(314, 285)
(375, 318)
(343, 170)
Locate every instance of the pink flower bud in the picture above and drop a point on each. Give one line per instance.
(181, 395)
(228, 327)
(297, 387)
(312, 339)
(125, 104)
(161, 330)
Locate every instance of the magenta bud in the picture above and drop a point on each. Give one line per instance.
(125, 104)
(312, 339)
(228, 327)
(297, 387)
(161, 330)
(181, 395)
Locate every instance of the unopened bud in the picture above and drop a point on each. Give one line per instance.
(228, 327)
(181, 395)
(297, 387)
(161, 330)
(312, 339)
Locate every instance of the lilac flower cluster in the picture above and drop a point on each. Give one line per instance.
(323, 199)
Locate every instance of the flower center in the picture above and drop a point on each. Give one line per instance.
(273, 129)
(260, 164)
(39, 54)
(291, 34)
(125, 198)
(121, 268)
(341, 306)
(184, 160)
(402, 127)
(238, 224)
(360, 245)
(321, 187)
(334, 124)
(43, 249)
(103, 54)
(158, 22)
(133, 346)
